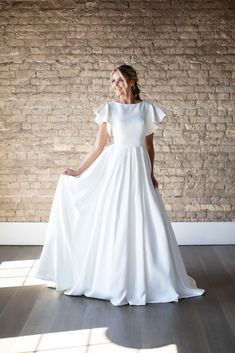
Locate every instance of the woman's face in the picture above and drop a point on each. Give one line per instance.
(118, 85)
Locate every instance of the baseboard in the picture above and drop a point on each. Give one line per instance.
(204, 233)
(22, 233)
(187, 233)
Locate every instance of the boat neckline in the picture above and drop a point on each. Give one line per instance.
(127, 103)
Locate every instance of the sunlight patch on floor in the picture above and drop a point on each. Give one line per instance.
(18, 273)
(95, 340)
(92, 340)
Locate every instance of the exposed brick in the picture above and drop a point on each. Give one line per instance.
(55, 61)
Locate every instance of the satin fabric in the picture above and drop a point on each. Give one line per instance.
(109, 235)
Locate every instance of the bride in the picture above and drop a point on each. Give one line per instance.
(109, 235)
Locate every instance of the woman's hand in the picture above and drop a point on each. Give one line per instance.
(72, 172)
(155, 183)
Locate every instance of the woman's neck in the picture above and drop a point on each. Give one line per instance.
(127, 100)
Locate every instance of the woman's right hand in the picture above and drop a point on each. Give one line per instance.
(72, 172)
(154, 180)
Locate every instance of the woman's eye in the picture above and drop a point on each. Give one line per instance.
(120, 79)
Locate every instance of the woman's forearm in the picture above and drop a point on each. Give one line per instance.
(150, 149)
(90, 158)
(99, 144)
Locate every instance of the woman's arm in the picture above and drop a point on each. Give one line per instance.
(150, 148)
(100, 142)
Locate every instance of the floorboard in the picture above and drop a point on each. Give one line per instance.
(203, 324)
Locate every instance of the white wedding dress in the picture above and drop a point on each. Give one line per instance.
(109, 235)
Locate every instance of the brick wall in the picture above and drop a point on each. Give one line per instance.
(55, 62)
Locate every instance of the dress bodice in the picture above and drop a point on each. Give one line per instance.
(129, 123)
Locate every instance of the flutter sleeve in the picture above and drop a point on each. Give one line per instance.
(153, 117)
(103, 115)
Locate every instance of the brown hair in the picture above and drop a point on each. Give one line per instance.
(127, 71)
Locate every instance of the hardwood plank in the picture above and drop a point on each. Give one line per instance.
(17, 310)
(202, 324)
(6, 295)
(189, 334)
(29, 252)
(54, 312)
(9, 252)
(194, 266)
(219, 336)
(226, 254)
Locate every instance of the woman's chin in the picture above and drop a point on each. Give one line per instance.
(119, 94)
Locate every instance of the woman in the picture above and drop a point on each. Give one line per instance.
(109, 235)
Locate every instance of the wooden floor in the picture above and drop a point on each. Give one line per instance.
(34, 318)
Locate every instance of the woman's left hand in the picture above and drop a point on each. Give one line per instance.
(154, 180)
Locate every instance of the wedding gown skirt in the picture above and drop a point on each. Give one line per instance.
(109, 235)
